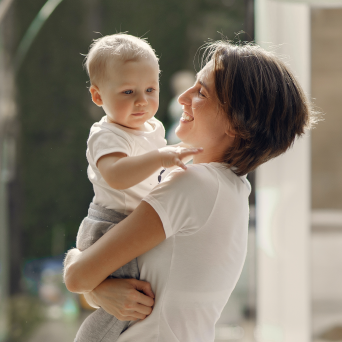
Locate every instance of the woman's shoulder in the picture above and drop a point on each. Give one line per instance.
(193, 174)
(207, 172)
(192, 182)
(184, 199)
(208, 178)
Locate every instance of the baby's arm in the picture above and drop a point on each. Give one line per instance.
(182, 144)
(122, 172)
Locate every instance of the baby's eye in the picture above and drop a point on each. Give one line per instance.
(128, 92)
(149, 90)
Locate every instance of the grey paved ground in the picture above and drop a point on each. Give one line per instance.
(57, 331)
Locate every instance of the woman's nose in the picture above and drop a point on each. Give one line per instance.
(185, 98)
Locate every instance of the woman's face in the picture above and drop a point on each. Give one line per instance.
(202, 123)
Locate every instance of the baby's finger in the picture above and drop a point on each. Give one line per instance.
(180, 163)
(190, 152)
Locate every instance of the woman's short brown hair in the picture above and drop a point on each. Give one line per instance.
(264, 103)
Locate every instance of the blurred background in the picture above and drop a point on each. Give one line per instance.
(45, 117)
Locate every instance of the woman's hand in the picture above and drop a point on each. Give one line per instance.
(126, 299)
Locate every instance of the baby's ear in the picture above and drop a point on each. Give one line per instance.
(95, 95)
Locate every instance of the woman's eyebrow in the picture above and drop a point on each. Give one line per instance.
(198, 79)
(203, 85)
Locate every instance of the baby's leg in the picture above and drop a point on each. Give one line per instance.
(100, 325)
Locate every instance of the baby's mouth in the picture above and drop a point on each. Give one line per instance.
(187, 117)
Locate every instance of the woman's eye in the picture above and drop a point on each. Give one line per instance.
(200, 94)
(149, 90)
(128, 92)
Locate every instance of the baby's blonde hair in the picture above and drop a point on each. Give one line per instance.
(122, 46)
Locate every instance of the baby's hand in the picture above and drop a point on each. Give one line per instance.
(171, 156)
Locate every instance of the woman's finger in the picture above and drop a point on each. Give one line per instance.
(142, 309)
(135, 316)
(127, 316)
(143, 286)
(144, 300)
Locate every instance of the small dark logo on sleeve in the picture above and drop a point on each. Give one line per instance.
(160, 175)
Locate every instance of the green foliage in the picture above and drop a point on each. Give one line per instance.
(55, 108)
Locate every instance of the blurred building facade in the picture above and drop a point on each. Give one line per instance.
(298, 194)
(326, 182)
(326, 43)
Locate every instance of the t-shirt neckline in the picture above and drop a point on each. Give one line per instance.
(133, 131)
(222, 166)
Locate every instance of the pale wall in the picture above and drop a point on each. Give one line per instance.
(326, 88)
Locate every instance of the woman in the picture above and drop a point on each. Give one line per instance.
(190, 233)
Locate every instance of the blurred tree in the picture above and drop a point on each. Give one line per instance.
(54, 106)
(54, 118)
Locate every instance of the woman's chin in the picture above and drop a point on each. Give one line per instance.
(180, 133)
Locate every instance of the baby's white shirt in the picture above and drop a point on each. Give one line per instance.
(106, 138)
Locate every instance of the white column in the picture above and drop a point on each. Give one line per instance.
(283, 194)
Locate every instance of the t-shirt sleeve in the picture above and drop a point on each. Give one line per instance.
(102, 142)
(184, 200)
(160, 128)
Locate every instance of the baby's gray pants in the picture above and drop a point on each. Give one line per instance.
(100, 325)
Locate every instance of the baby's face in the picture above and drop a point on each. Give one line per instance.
(130, 92)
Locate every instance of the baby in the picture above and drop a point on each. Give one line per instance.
(126, 151)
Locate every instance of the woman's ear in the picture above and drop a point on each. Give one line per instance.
(230, 131)
(95, 95)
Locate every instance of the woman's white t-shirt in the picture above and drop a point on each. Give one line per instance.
(106, 138)
(204, 211)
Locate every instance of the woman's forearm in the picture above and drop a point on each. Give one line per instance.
(89, 297)
(135, 235)
(69, 260)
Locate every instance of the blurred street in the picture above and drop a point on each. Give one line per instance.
(57, 330)
(326, 258)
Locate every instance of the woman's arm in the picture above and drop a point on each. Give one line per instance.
(138, 233)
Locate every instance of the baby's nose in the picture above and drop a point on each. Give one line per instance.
(141, 100)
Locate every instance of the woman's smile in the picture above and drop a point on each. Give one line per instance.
(202, 124)
(186, 117)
